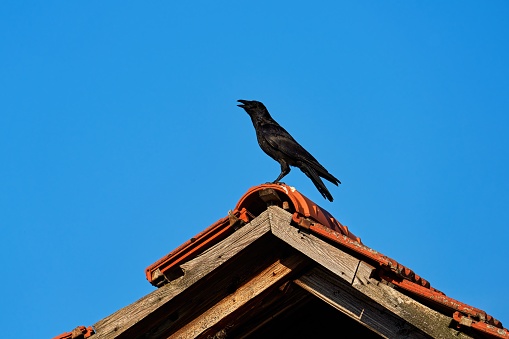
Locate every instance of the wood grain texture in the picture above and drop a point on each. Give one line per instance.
(326, 286)
(429, 321)
(121, 321)
(330, 257)
(272, 276)
(223, 281)
(266, 310)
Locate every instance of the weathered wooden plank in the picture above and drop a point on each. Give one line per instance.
(117, 324)
(330, 257)
(223, 281)
(326, 286)
(266, 310)
(272, 276)
(431, 322)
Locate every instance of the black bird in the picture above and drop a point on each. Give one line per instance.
(280, 146)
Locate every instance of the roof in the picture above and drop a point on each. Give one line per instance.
(249, 206)
(273, 224)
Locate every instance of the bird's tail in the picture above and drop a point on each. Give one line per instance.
(322, 172)
(317, 181)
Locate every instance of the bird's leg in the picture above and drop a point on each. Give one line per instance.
(285, 169)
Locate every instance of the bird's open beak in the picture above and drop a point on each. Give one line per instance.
(243, 103)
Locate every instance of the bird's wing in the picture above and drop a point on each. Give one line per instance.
(281, 140)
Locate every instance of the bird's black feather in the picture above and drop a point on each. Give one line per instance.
(282, 147)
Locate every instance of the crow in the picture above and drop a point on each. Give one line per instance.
(277, 143)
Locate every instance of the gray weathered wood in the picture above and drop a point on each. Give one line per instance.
(330, 257)
(326, 286)
(431, 322)
(272, 275)
(121, 321)
(266, 311)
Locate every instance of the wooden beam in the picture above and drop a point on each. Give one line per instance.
(220, 283)
(271, 277)
(431, 322)
(358, 273)
(330, 257)
(121, 323)
(266, 310)
(326, 286)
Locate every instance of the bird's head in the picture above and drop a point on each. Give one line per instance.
(252, 106)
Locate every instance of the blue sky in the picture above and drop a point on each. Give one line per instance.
(120, 138)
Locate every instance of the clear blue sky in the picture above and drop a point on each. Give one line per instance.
(120, 138)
